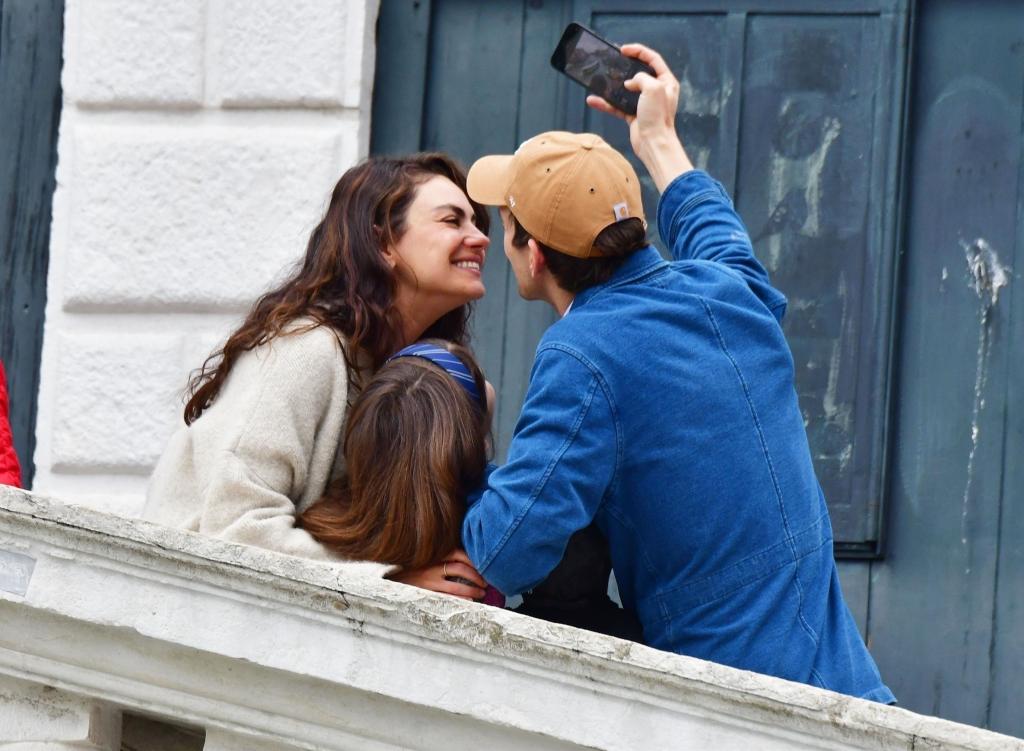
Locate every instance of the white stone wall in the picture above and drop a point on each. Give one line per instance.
(199, 141)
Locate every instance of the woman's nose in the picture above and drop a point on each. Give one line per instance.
(477, 239)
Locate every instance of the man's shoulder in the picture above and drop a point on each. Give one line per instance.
(582, 342)
(568, 334)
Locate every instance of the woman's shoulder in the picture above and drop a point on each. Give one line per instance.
(301, 369)
(310, 335)
(304, 345)
(304, 355)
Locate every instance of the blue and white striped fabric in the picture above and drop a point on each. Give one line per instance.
(445, 359)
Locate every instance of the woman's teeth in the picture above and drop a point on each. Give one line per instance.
(468, 265)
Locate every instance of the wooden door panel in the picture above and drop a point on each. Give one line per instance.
(945, 615)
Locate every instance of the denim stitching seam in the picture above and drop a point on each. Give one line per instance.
(695, 600)
(619, 444)
(539, 488)
(771, 468)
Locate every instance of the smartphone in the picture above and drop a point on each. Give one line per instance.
(598, 65)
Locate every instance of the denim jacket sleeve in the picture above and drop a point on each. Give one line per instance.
(562, 459)
(697, 221)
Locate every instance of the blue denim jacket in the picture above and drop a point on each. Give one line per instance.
(663, 406)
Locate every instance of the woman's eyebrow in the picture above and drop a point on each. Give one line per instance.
(457, 210)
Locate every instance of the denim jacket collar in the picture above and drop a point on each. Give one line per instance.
(640, 263)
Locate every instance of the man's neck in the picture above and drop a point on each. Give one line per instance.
(559, 299)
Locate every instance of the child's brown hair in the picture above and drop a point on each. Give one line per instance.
(415, 446)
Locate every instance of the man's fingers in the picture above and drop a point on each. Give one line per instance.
(641, 81)
(463, 571)
(601, 105)
(460, 590)
(647, 55)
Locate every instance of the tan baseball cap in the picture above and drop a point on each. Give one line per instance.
(564, 188)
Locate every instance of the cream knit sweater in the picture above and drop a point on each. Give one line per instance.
(263, 451)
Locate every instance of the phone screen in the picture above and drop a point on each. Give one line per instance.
(598, 65)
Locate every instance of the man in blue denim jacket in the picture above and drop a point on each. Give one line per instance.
(662, 407)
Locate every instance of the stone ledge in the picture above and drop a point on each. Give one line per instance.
(175, 624)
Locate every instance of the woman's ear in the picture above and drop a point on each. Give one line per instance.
(390, 256)
(389, 253)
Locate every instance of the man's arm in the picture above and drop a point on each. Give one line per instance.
(697, 220)
(695, 215)
(560, 464)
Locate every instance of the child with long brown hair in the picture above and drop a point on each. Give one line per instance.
(415, 446)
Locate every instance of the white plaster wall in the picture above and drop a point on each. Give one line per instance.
(199, 140)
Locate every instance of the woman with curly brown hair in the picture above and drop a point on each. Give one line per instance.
(398, 256)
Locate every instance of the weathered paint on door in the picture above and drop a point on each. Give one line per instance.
(946, 607)
(800, 107)
(31, 34)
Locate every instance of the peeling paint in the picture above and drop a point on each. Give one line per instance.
(705, 100)
(835, 411)
(815, 168)
(703, 105)
(801, 173)
(987, 276)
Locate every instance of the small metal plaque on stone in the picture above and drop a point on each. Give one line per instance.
(15, 572)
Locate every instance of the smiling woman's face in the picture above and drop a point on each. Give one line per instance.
(440, 258)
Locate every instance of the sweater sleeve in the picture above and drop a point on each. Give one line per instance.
(562, 460)
(269, 433)
(240, 507)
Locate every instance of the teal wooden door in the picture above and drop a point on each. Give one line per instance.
(31, 35)
(793, 111)
(873, 150)
(946, 607)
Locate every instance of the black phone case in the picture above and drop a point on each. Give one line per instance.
(618, 96)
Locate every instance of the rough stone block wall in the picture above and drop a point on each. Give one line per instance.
(199, 141)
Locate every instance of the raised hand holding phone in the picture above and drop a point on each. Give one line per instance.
(652, 129)
(597, 65)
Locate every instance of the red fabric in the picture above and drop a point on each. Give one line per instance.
(10, 472)
(493, 597)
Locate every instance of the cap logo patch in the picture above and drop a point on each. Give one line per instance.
(621, 211)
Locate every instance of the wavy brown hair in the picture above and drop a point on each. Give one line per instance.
(343, 281)
(415, 446)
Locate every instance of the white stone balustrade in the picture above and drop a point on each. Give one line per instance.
(101, 614)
